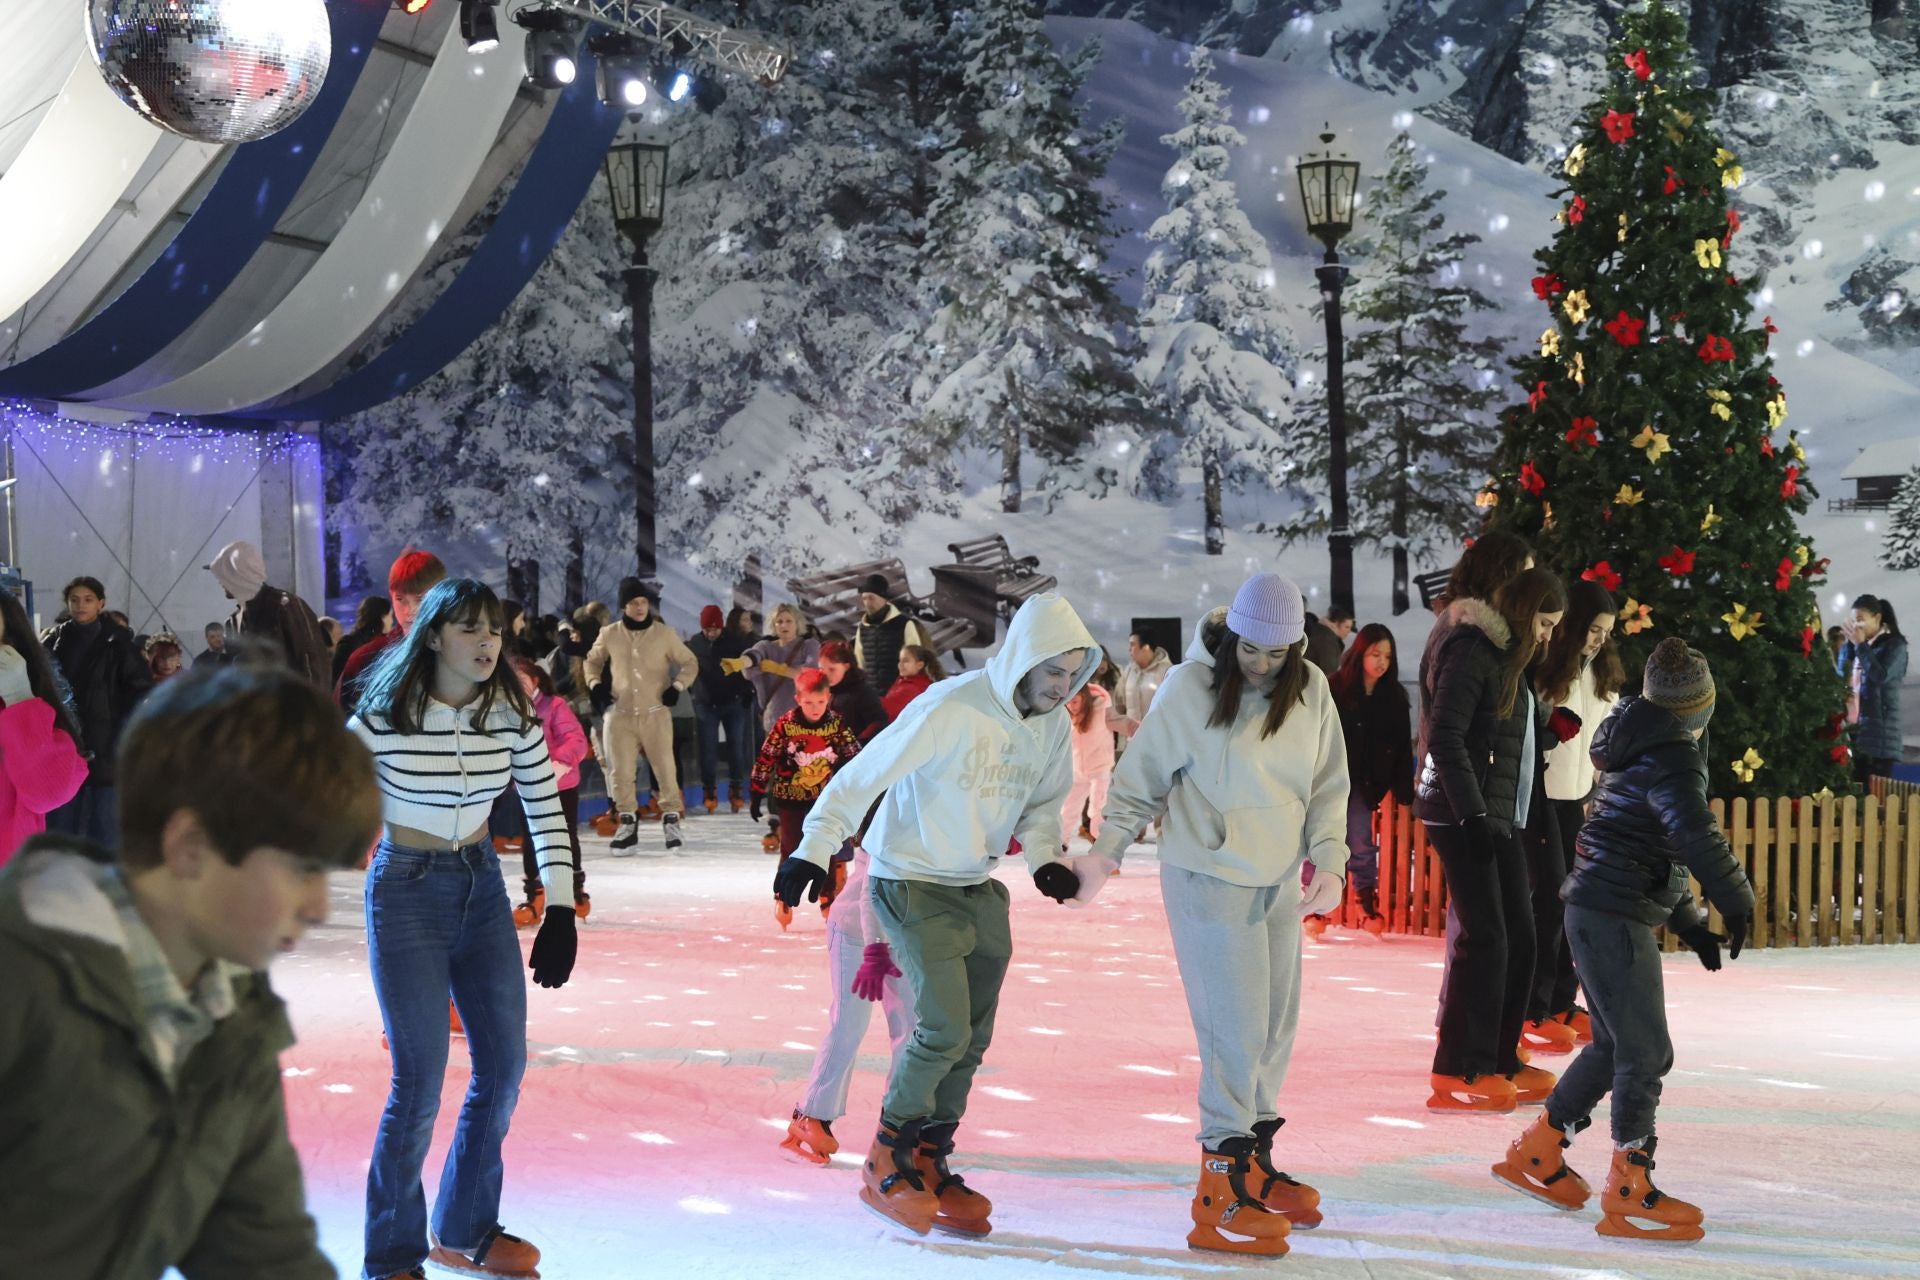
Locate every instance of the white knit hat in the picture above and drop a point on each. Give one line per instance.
(1268, 610)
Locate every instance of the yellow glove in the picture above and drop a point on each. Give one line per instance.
(776, 668)
(732, 666)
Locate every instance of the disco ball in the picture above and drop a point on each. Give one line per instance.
(213, 70)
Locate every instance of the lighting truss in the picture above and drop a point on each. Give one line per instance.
(749, 52)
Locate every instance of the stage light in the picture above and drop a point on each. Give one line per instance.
(552, 43)
(682, 84)
(623, 72)
(479, 25)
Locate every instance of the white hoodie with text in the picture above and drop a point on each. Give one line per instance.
(964, 773)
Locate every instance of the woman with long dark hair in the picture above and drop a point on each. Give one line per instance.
(1874, 658)
(1480, 727)
(41, 765)
(373, 619)
(854, 700)
(1377, 721)
(1578, 680)
(450, 726)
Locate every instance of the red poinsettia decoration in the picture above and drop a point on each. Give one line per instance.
(1733, 225)
(1584, 431)
(1625, 329)
(1672, 184)
(1836, 723)
(1638, 64)
(1603, 574)
(1771, 329)
(1766, 446)
(1806, 642)
(1791, 485)
(1840, 754)
(1677, 562)
(1531, 480)
(1618, 126)
(1783, 576)
(1547, 286)
(1537, 397)
(1815, 569)
(1577, 211)
(1716, 347)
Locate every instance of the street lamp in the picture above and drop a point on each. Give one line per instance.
(1328, 187)
(637, 177)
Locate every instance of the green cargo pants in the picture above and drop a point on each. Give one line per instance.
(952, 943)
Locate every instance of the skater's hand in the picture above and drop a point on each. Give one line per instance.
(554, 948)
(1563, 724)
(876, 966)
(732, 666)
(1705, 943)
(1321, 895)
(1058, 880)
(670, 695)
(1094, 870)
(796, 877)
(14, 684)
(754, 807)
(1737, 927)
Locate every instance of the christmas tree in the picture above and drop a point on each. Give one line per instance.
(1418, 387)
(1900, 546)
(1218, 359)
(1646, 455)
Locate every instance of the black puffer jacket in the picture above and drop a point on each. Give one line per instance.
(1470, 755)
(1379, 736)
(108, 678)
(1649, 825)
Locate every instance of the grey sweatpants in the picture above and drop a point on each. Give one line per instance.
(1618, 961)
(953, 944)
(847, 1019)
(1239, 954)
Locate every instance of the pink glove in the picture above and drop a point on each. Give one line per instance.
(876, 966)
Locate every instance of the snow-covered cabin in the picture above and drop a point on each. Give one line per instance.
(1877, 473)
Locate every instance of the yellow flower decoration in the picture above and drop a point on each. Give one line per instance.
(1579, 371)
(1747, 765)
(1709, 520)
(1576, 160)
(1707, 253)
(1800, 557)
(1799, 454)
(1550, 342)
(1654, 442)
(1629, 496)
(1685, 118)
(1547, 523)
(1486, 498)
(1740, 623)
(1776, 411)
(1575, 306)
(1732, 175)
(1635, 617)
(1673, 134)
(1724, 157)
(1721, 404)
(1623, 228)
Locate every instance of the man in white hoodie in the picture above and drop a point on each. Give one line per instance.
(973, 765)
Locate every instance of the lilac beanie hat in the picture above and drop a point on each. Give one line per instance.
(1268, 610)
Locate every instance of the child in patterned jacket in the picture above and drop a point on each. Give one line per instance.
(803, 750)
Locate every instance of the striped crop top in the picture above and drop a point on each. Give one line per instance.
(444, 779)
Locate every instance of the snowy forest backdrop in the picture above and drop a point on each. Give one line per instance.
(838, 356)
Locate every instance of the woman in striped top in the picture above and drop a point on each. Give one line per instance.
(449, 727)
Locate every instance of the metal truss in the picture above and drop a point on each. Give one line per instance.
(749, 52)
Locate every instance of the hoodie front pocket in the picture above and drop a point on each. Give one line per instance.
(1273, 832)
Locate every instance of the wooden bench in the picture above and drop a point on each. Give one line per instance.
(1017, 578)
(1431, 586)
(830, 601)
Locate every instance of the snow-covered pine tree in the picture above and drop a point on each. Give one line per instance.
(1027, 349)
(789, 251)
(1418, 388)
(1900, 545)
(1218, 359)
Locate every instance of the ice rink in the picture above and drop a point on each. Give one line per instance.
(661, 1077)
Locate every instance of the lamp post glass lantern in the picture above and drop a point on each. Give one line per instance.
(637, 180)
(1329, 185)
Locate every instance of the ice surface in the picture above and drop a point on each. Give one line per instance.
(646, 1139)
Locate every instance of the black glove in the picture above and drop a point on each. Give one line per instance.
(753, 807)
(1737, 927)
(670, 695)
(554, 948)
(796, 877)
(1057, 880)
(1705, 943)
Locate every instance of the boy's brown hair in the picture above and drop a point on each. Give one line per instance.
(415, 573)
(260, 757)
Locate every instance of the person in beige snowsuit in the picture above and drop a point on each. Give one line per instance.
(651, 668)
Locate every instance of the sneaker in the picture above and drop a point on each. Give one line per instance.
(670, 827)
(627, 836)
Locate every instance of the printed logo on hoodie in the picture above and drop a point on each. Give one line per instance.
(1008, 777)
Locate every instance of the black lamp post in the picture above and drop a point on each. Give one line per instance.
(637, 176)
(1328, 187)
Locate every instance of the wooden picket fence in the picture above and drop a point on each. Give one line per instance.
(1839, 870)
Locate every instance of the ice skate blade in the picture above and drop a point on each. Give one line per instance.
(796, 1150)
(880, 1210)
(465, 1268)
(970, 1228)
(1204, 1239)
(1446, 1102)
(1304, 1219)
(1525, 1188)
(1623, 1228)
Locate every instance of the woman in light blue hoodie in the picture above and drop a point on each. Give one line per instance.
(1243, 750)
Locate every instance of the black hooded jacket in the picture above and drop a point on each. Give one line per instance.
(1470, 754)
(1649, 825)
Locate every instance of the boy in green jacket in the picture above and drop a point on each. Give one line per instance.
(142, 1124)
